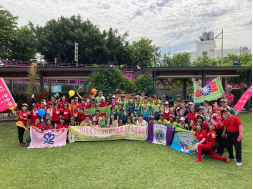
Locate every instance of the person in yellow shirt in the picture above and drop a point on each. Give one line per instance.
(162, 121)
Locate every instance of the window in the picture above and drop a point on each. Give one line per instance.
(204, 53)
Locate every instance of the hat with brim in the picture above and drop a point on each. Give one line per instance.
(171, 115)
(226, 110)
(24, 105)
(214, 123)
(20, 124)
(197, 116)
(223, 100)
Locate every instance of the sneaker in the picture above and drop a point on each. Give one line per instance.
(21, 144)
(238, 164)
(227, 159)
(197, 160)
(202, 155)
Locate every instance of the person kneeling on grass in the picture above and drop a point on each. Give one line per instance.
(210, 141)
(200, 135)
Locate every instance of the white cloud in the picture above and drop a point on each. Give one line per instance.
(173, 25)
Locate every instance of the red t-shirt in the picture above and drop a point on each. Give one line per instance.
(92, 106)
(200, 135)
(46, 127)
(82, 106)
(38, 126)
(206, 127)
(61, 104)
(61, 126)
(232, 124)
(56, 115)
(65, 114)
(192, 116)
(209, 136)
(48, 104)
(33, 115)
(80, 117)
(103, 104)
(216, 120)
(78, 104)
(24, 115)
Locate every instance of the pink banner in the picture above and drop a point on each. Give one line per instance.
(48, 139)
(6, 99)
(243, 100)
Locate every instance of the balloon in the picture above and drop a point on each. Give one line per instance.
(93, 91)
(11, 108)
(71, 93)
(41, 112)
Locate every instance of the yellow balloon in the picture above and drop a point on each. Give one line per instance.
(71, 93)
(11, 108)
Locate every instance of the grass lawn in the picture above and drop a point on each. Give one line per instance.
(118, 164)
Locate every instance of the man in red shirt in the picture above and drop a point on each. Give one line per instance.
(233, 126)
(52, 100)
(80, 116)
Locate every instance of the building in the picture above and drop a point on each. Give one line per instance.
(207, 46)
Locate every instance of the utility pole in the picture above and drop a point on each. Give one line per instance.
(240, 50)
(221, 44)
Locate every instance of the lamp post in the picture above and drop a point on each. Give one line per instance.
(221, 44)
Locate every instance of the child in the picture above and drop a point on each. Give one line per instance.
(141, 121)
(120, 122)
(102, 123)
(129, 121)
(94, 124)
(156, 121)
(151, 119)
(177, 119)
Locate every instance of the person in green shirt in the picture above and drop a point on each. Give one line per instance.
(183, 125)
(145, 109)
(103, 123)
(137, 108)
(142, 96)
(162, 121)
(171, 122)
(163, 99)
(151, 100)
(121, 113)
(131, 115)
(98, 98)
(177, 119)
(123, 101)
(155, 109)
(156, 98)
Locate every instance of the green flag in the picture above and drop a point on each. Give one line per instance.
(56, 95)
(78, 89)
(103, 111)
(209, 92)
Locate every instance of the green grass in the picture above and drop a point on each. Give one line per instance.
(118, 164)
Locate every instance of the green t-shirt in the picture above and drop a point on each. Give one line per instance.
(145, 110)
(155, 108)
(120, 113)
(138, 107)
(164, 122)
(174, 124)
(102, 123)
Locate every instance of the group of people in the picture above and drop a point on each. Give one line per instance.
(210, 124)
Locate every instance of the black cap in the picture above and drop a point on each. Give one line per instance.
(226, 109)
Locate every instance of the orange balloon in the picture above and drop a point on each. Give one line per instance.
(93, 91)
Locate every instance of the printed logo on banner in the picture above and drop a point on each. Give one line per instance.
(159, 135)
(49, 137)
(186, 145)
(207, 90)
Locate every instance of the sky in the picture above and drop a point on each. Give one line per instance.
(172, 25)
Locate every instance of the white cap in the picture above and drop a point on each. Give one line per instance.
(44, 103)
(166, 103)
(182, 119)
(102, 97)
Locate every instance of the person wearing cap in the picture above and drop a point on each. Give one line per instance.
(178, 99)
(182, 124)
(166, 111)
(155, 109)
(23, 117)
(210, 141)
(145, 109)
(227, 95)
(224, 105)
(102, 102)
(98, 98)
(202, 122)
(76, 103)
(171, 122)
(233, 127)
(163, 99)
(177, 119)
(123, 101)
(162, 120)
(113, 103)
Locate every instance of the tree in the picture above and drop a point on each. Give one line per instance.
(57, 39)
(177, 60)
(143, 83)
(143, 53)
(8, 26)
(23, 47)
(205, 61)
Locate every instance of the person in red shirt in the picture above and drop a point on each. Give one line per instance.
(192, 115)
(34, 114)
(200, 135)
(233, 126)
(43, 119)
(76, 103)
(103, 103)
(210, 141)
(36, 125)
(22, 116)
(62, 101)
(92, 103)
(48, 125)
(200, 120)
(52, 101)
(65, 112)
(56, 114)
(83, 104)
(80, 116)
(61, 124)
(228, 96)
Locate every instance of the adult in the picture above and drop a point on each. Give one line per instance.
(183, 125)
(36, 125)
(151, 100)
(163, 99)
(48, 125)
(96, 117)
(145, 109)
(73, 109)
(156, 98)
(202, 122)
(162, 120)
(34, 114)
(120, 113)
(102, 102)
(155, 109)
(131, 103)
(49, 111)
(137, 108)
(203, 113)
(112, 121)
(98, 98)
(206, 106)
(92, 103)
(192, 115)
(86, 122)
(72, 121)
(43, 119)
(183, 111)
(142, 96)
(62, 101)
(233, 127)
(171, 122)
(200, 134)
(56, 114)
(210, 141)
(65, 112)
(52, 101)
(228, 96)
(80, 116)
(61, 124)
(166, 111)
(76, 103)
(23, 117)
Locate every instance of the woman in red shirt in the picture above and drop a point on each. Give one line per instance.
(62, 102)
(22, 116)
(65, 112)
(48, 125)
(34, 114)
(203, 124)
(56, 114)
(210, 141)
(61, 124)
(166, 111)
(200, 135)
(36, 125)
(192, 116)
(80, 116)
(103, 103)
